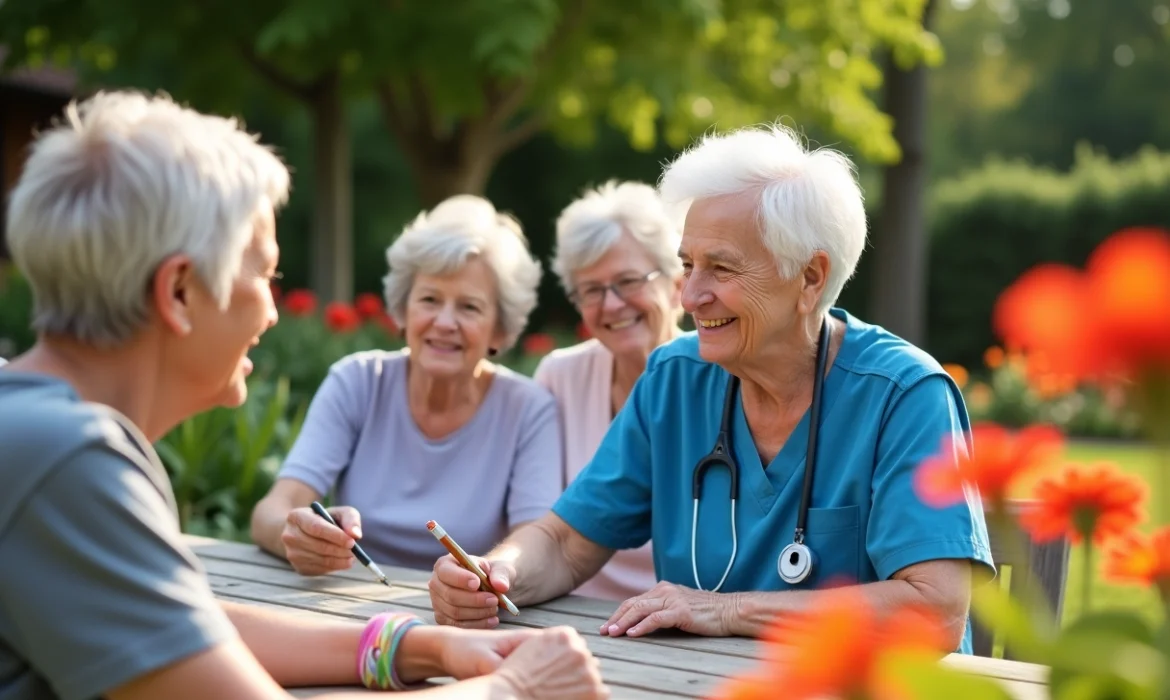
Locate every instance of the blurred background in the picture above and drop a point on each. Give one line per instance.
(989, 135)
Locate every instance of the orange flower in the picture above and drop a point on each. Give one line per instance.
(993, 357)
(1143, 560)
(980, 396)
(958, 373)
(1046, 311)
(341, 317)
(997, 459)
(838, 648)
(1100, 504)
(368, 305)
(300, 302)
(1112, 319)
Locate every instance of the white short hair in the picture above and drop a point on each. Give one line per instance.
(594, 223)
(124, 181)
(809, 200)
(442, 241)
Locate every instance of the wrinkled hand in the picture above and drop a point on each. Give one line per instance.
(314, 547)
(554, 663)
(669, 605)
(456, 598)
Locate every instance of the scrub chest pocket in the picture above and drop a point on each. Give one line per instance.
(833, 536)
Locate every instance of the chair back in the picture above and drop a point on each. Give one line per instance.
(1046, 562)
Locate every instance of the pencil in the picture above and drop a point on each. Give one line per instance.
(467, 563)
(356, 549)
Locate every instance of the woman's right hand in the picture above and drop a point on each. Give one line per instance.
(314, 547)
(456, 598)
(553, 663)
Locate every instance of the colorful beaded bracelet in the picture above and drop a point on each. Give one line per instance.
(378, 647)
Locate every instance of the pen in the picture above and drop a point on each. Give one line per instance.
(356, 549)
(464, 560)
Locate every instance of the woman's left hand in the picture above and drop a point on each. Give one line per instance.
(669, 605)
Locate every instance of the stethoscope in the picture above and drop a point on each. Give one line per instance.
(796, 561)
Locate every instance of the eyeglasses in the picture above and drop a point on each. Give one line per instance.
(624, 288)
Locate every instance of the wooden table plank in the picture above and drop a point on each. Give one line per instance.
(618, 692)
(683, 661)
(687, 665)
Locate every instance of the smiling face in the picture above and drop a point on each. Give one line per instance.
(452, 320)
(638, 319)
(210, 346)
(732, 286)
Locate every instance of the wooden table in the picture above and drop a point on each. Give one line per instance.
(664, 665)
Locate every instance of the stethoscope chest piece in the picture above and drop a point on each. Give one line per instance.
(795, 563)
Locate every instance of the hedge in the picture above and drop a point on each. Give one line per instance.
(990, 225)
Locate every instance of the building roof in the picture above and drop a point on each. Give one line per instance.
(47, 80)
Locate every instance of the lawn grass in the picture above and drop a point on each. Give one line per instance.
(1141, 461)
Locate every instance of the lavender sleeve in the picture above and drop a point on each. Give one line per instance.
(325, 445)
(536, 480)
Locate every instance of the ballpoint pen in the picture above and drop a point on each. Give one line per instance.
(467, 563)
(356, 549)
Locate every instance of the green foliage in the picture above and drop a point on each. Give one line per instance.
(684, 65)
(1024, 79)
(302, 348)
(990, 225)
(15, 312)
(1005, 395)
(223, 461)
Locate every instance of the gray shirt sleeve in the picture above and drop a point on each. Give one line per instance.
(537, 473)
(98, 586)
(332, 426)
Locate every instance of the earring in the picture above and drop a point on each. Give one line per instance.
(492, 352)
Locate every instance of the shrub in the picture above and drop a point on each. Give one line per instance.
(989, 226)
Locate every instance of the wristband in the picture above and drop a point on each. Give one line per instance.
(378, 647)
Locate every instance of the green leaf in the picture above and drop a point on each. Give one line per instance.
(926, 679)
(999, 611)
(1110, 649)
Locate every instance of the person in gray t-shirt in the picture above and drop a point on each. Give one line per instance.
(147, 234)
(436, 432)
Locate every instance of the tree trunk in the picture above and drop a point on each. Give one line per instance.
(331, 269)
(439, 180)
(900, 269)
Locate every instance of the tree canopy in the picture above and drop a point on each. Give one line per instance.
(463, 81)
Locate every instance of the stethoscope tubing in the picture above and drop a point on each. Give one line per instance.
(723, 454)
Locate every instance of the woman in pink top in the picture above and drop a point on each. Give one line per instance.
(617, 257)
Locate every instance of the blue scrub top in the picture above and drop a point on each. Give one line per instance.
(886, 407)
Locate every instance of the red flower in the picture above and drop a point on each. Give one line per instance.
(300, 302)
(1129, 281)
(387, 323)
(539, 344)
(998, 458)
(583, 331)
(838, 647)
(341, 317)
(368, 305)
(1112, 319)
(1098, 505)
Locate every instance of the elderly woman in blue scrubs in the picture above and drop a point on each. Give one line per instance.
(772, 451)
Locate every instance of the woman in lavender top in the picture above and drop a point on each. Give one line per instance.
(437, 430)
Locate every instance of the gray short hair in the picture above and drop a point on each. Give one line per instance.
(594, 223)
(809, 200)
(123, 182)
(443, 240)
